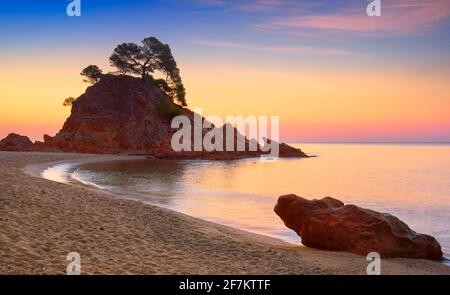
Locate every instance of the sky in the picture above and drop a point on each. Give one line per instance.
(328, 70)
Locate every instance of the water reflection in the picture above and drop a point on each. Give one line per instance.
(140, 178)
(410, 182)
(59, 173)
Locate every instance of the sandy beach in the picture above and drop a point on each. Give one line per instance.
(41, 221)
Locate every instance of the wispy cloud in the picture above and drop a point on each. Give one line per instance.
(304, 50)
(398, 18)
(260, 6)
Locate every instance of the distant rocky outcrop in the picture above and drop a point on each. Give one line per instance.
(329, 224)
(15, 142)
(287, 151)
(126, 115)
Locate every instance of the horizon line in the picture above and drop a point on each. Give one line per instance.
(369, 142)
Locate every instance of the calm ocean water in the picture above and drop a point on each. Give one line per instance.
(409, 181)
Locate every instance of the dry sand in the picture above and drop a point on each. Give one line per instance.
(42, 221)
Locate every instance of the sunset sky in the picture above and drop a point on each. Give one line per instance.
(329, 71)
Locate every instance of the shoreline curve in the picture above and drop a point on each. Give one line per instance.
(41, 221)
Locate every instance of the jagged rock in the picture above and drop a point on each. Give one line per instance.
(122, 114)
(15, 142)
(329, 224)
(287, 151)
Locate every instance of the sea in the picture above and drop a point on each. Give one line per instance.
(410, 181)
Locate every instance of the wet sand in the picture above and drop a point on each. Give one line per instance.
(41, 221)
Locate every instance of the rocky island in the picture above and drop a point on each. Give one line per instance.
(130, 112)
(125, 115)
(121, 114)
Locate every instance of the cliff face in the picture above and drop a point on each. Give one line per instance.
(123, 114)
(117, 115)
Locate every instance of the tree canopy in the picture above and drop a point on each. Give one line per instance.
(147, 58)
(91, 74)
(69, 101)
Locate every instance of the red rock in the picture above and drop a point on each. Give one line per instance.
(15, 142)
(330, 225)
(120, 114)
(287, 151)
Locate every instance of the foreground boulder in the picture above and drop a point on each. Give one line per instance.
(330, 225)
(15, 142)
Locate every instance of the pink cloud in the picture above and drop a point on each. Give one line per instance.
(258, 6)
(261, 6)
(303, 50)
(399, 17)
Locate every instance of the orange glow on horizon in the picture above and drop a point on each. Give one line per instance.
(311, 103)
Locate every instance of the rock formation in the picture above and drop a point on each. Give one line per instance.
(330, 225)
(15, 142)
(126, 115)
(287, 151)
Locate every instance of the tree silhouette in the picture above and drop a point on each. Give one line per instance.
(91, 74)
(169, 66)
(68, 101)
(150, 56)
